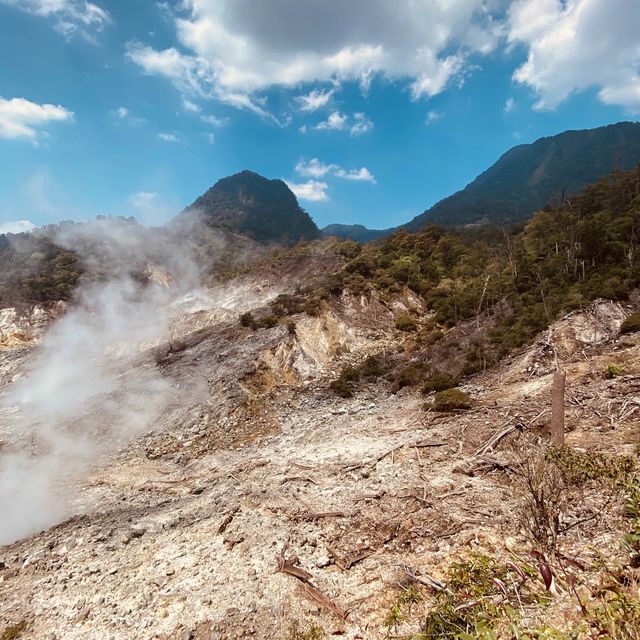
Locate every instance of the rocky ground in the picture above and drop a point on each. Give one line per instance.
(260, 500)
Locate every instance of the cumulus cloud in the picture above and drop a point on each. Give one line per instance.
(316, 169)
(314, 100)
(22, 119)
(312, 190)
(509, 105)
(575, 45)
(360, 175)
(234, 49)
(17, 226)
(335, 122)
(361, 124)
(70, 17)
(168, 137)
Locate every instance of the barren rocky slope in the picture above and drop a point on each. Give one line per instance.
(260, 500)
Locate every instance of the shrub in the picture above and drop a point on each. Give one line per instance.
(613, 371)
(451, 400)
(439, 382)
(247, 320)
(291, 328)
(268, 321)
(405, 323)
(408, 377)
(341, 388)
(631, 324)
(373, 367)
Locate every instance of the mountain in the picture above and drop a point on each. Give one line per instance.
(247, 203)
(356, 232)
(529, 176)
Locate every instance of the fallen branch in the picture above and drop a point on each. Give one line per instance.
(322, 600)
(493, 441)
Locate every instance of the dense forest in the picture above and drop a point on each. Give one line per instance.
(513, 281)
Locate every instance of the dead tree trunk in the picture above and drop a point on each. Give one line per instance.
(557, 408)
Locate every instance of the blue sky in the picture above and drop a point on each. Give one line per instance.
(372, 111)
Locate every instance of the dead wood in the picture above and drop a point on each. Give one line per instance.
(316, 595)
(227, 520)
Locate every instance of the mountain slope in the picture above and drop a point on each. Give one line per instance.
(357, 232)
(249, 204)
(529, 176)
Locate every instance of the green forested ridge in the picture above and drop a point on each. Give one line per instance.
(529, 176)
(565, 256)
(34, 269)
(515, 281)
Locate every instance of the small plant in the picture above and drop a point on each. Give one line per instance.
(405, 323)
(439, 382)
(613, 371)
(14, 631)
(451, 400)
(291, 328)
(631, 323)
(247, 320)
(408, 377)
(312, 633)
(268, 322)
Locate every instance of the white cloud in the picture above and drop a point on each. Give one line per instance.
(22, 119)
(314, 168)
(210, 138)
(234, 49)
(509, 105)
(190, 107)
(335, 122)
(215, 121)
(168, 137)
(312, 190)
(361, 125)
(432, 116)
(574, 45)
(314, 100)
(124, 115)
(360, 175)
(70, 17)
(303, 129)
(17, 226)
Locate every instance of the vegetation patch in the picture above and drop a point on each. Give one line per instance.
(631, 323)
(451, 400)
(14, 631)
(439, 382)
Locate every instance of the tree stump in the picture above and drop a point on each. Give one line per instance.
(557, 408)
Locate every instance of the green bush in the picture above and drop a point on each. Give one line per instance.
(408, 377)
(247, 320)
(451, 400)
(439, 382)
(405, 323)
(268, 322)
(613, 371)
(631, 324)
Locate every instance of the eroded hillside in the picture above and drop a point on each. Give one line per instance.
(261, 504)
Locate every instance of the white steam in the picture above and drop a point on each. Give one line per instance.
(88, 389)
